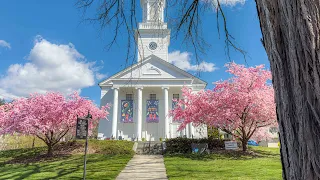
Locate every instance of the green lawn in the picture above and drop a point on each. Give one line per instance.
(265, 164)
(70, 166)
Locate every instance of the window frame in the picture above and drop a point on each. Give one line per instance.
(152, 96)
(175, 97)
(129, 97)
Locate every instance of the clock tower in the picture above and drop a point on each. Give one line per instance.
(152, 36)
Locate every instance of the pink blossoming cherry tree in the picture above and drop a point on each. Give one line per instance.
(48, 116)
(242, 106)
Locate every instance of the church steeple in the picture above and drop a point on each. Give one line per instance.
(153, 36)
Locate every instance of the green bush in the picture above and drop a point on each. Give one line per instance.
(183, 145)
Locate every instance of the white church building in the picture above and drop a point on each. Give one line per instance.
(142, 95)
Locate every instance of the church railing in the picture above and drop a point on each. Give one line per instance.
(152, 26)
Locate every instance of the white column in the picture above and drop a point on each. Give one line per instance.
(166, 112)
(191, 130)
(115, 112)
(187, 131)
(139, 113)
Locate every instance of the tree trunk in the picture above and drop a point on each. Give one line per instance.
(50, 150)
(34, 138)
(244, 145)
(290, 30)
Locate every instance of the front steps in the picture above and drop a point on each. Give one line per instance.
(149, 147)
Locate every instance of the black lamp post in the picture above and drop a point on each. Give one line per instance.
(88, 117)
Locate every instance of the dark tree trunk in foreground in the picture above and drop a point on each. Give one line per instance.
(290, 31)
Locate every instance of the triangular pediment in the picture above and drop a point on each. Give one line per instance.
(152, 67)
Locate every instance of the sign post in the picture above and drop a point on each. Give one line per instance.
(82, 133)
(82, 128)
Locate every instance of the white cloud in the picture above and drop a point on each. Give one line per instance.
(100, 76)
(5, 44)
(5, 95)
(50, 67)
(230, 3)
(183, 61)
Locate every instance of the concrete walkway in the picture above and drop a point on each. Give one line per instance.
(144, 167)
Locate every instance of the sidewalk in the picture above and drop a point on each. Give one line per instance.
(144, 167)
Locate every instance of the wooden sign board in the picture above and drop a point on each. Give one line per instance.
(82, 128)
(231, 145)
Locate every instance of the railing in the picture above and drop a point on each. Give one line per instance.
(153, 26)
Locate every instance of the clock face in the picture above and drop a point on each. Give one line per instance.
(153, 46)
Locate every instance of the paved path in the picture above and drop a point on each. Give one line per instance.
(144, 167)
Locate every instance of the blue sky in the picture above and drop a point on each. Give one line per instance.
(44, 45)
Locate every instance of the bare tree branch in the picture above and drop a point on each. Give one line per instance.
(189, 14)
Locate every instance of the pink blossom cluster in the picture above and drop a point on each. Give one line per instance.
(240, 105)
(48, 113)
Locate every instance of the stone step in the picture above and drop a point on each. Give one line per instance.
(152, 142)
(151, 147)
(142, 144)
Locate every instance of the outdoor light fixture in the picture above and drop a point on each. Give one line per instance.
(89, 115)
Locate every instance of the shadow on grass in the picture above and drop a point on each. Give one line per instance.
(212, 156)
(22, 171)
(67, 168)
(271, 154)
(28, 155)
(67, 163)
(35, 159)
(62, 150)
(230, 154)
(25, 152)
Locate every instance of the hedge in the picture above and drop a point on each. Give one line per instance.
(183, 145)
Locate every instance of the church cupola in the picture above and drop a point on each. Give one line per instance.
(153, 36)
(153, 10)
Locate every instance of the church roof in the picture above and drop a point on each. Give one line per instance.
(183, 74)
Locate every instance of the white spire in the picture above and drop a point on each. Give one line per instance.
(154, 36)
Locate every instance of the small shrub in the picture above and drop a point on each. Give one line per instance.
(183, 145)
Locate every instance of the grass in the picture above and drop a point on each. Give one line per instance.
(100, 165)
(264, 164)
